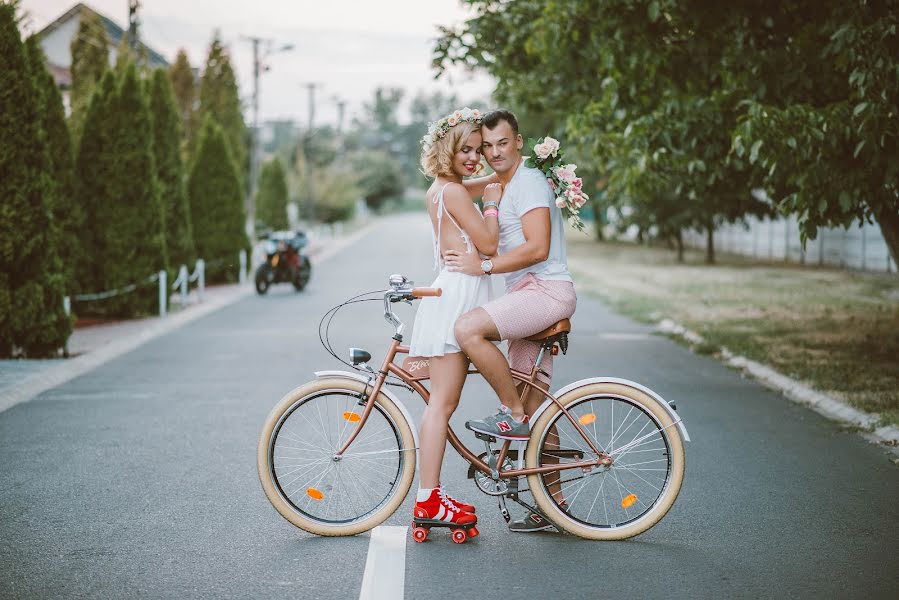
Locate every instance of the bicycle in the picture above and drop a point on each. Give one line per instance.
(604, 461)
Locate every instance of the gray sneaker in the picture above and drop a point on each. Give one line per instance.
(501, 425)
(531, 522)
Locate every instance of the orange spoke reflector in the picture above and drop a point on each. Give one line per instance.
(314, 494)
(351, 417)
(628, 501)
(587, 419)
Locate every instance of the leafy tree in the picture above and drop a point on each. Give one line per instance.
(219, 99)
(827, 143)
(32, 318)
(67, 213)
(271, 202)
(336, 197)
(378, 177)
(130, 218)
(170, 171)
(216, 204)
(184, 87)
(90, 58)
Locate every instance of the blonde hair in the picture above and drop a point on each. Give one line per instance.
(437, 159)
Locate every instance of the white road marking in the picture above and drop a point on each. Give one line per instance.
(385, 567)
(626, 336)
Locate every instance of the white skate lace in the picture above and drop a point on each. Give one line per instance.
(444, 498)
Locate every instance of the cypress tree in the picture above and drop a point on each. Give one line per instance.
(220, 99)
(67, 213)
(170, 171)
(134, 234)
(90, 58)
(184, 87)
(271, 201)
(216, 205)
(93, 173)
(31, 289)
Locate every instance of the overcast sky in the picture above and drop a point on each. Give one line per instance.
(349, 46)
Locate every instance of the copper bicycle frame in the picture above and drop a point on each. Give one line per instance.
(388, 367)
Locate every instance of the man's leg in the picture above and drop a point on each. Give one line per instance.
(475, 332)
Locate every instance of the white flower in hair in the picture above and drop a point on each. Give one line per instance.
(439, 128)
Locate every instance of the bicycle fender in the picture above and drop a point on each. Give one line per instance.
(390, 395)
(626, 382)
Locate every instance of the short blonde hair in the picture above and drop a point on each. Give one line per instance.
(437, 159)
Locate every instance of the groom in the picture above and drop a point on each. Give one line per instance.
(539, 289)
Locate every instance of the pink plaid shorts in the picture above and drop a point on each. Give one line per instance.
(529, 307)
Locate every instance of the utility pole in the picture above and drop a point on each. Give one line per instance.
(310, 186)
(341, 108)
(259, 67)
(133, 25)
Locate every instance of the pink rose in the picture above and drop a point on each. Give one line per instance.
(452, 120)
(552, 145)
(580, 201)
(560, 202)
(576, 183)
(564, 173)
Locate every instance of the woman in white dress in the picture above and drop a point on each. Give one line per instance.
(451, 151)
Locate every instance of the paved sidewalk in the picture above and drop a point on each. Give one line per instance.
(93, 345)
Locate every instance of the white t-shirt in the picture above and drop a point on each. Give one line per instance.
(529, 190)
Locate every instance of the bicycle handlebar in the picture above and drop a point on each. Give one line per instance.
(423, 292)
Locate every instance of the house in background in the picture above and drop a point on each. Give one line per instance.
(56, 40)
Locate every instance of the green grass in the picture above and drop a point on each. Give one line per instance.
(837, 331)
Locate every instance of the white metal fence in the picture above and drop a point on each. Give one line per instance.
(859, 247)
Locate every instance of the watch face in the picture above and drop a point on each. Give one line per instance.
(486, 265)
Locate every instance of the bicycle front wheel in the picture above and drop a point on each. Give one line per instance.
(332, 496)
(615, 502)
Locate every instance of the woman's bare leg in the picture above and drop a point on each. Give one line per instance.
(448, 374)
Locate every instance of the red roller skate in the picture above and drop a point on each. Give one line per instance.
(440, 511)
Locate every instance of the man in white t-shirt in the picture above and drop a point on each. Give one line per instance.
(539, 290)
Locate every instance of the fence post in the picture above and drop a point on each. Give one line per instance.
(67, 305)
(242, 277)
(183, 278)
(163, 292)
(201, 278)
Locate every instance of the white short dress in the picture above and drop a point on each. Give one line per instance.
(432, 332)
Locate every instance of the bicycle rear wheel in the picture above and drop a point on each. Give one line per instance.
(300, 475)
(631, 495)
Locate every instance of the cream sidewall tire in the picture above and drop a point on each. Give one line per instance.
(404, 482)
(676, 449)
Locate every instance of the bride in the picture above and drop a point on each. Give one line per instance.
(451, 151)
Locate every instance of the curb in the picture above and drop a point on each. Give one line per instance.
(827, 406)
(73, 367)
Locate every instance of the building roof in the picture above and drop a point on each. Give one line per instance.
(112, 29)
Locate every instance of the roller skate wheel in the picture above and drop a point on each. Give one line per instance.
(419, 534)
(473, 532)
(459, 536)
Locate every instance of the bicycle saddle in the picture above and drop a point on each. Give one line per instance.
(554, 333)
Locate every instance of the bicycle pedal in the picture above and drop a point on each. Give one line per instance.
(484, 436)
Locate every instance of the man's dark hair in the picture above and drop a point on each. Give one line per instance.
(492, 119)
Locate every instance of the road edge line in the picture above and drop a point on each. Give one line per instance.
(385, 566)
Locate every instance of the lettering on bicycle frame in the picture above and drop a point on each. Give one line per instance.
(417, 366)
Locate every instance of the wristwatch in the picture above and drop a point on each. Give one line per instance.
(486, 266)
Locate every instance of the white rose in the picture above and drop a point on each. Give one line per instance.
(541, 151)
(564, 174)
(560, 202)
(552, 145)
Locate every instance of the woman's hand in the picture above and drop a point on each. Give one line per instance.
(493, 193)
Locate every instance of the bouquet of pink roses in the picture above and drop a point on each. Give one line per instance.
(545, 154)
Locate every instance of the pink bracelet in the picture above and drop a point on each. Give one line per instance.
(491, 212)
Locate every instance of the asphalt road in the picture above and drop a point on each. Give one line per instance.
(138, 479)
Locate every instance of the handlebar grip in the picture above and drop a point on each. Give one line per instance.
(423, 292)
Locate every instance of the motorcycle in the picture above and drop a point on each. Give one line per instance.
(284, 261)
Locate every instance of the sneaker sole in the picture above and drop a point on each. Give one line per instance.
(516, 438)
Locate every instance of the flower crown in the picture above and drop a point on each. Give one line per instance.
(439, 128)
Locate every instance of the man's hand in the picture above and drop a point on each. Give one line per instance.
(493, 193)
(463, 262)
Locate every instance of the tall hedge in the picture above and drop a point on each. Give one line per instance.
(67, 213)
(32, 319)
(271, 201)
(90, 58)
(216, 205)
(170, 171)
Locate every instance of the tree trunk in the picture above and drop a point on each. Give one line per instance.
(679, 240)
(598, 219)
(889, 226)
(710, 243)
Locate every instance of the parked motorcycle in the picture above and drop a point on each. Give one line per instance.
(285, 261)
